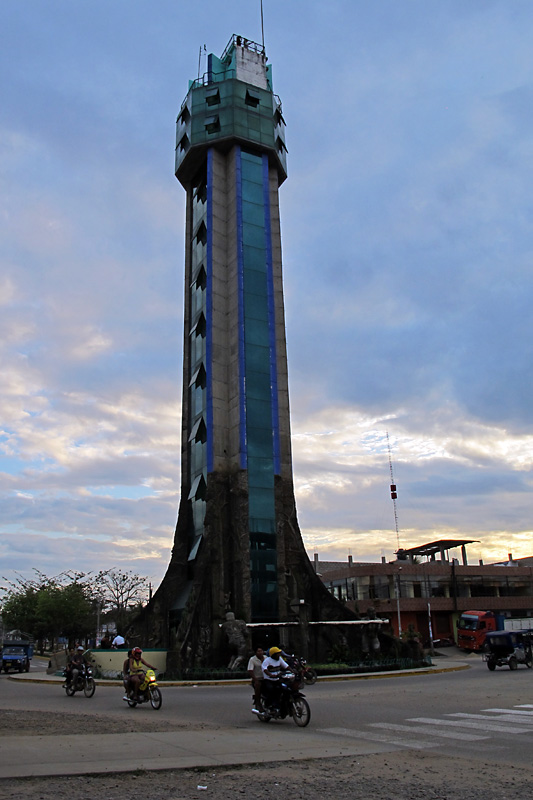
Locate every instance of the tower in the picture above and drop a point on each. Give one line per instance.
(237, 544)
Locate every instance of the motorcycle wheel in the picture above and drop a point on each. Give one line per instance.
(70, 690)
(310, 676)
(491, 665)
(89, 687)
(513, 663)
(301, 713)
(156, 698)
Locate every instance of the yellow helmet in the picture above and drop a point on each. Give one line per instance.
(273, 651)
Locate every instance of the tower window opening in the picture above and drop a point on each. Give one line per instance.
(252, 99)
(278, 117)
(199, 432)
(183, 143)
(199, 378)
(201, 279)
(184, 116)
(201, 234)
(212, 124)
(280, 145)
(200, 193)
(212, 96)
(199, 328)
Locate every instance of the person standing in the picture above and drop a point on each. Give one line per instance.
(255, 671)
(118, 642)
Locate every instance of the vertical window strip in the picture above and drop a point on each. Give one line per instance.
(209, 312)
(271, 319)
(240, 321)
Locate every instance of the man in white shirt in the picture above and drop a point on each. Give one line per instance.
(118, 642)
(255, 673)
(273, 665)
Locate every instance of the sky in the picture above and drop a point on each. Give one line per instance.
(408, 272)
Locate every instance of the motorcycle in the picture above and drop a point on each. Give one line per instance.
(292, 703)
(306, 674)
(149, 691)
(83, 681)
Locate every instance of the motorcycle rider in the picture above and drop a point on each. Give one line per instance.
(136, 672)
(273, 665)
(76, 663)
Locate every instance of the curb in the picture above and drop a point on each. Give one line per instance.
(244, 681)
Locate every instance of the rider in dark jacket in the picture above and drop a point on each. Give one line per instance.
(75, 664)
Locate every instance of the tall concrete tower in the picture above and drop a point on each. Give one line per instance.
(237, 544)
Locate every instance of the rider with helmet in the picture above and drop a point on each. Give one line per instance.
(273, 666)
(76, 663)
(136, 672)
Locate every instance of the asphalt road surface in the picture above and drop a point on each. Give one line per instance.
(470, 712)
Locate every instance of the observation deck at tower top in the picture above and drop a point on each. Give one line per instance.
(233, 102)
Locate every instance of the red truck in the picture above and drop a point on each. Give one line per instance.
(473, 626)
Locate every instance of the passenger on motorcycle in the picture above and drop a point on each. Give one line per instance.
(136, 672)
(75, 664)
(273, 666)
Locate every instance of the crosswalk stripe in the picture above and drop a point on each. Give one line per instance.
(510, 711)
(380, 737)
(499, 718)
(467, 737)
(488, 726)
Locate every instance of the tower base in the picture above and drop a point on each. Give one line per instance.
(187, 612)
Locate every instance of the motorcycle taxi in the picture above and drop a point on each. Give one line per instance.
(508, 649)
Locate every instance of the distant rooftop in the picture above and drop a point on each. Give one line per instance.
(429, 550)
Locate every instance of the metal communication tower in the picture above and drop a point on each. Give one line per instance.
(393, 493)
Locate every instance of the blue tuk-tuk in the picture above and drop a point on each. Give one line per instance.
(508, 649)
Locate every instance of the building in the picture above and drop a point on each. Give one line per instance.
(237, 544)
(411, 591)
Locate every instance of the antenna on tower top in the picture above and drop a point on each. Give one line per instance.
(262, 28)
(393, 493)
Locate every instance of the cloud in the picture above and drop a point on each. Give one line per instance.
(407, 270)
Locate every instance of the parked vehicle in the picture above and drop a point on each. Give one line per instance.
(292, 703)
(15, 658)
(17, 651)
(149, 691)
(473, 626)
(508, 649)
(82, 681)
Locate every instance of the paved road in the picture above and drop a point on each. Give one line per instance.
(472, 713)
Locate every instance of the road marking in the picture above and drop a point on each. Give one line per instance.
(379, 737)
(525, 705)
(510, 711)
(467, 737)
(500, 718)
(488, 726)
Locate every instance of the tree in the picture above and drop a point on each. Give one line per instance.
(120, 593)
(51, 607)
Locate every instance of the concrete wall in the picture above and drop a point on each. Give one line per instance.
(109, 662)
